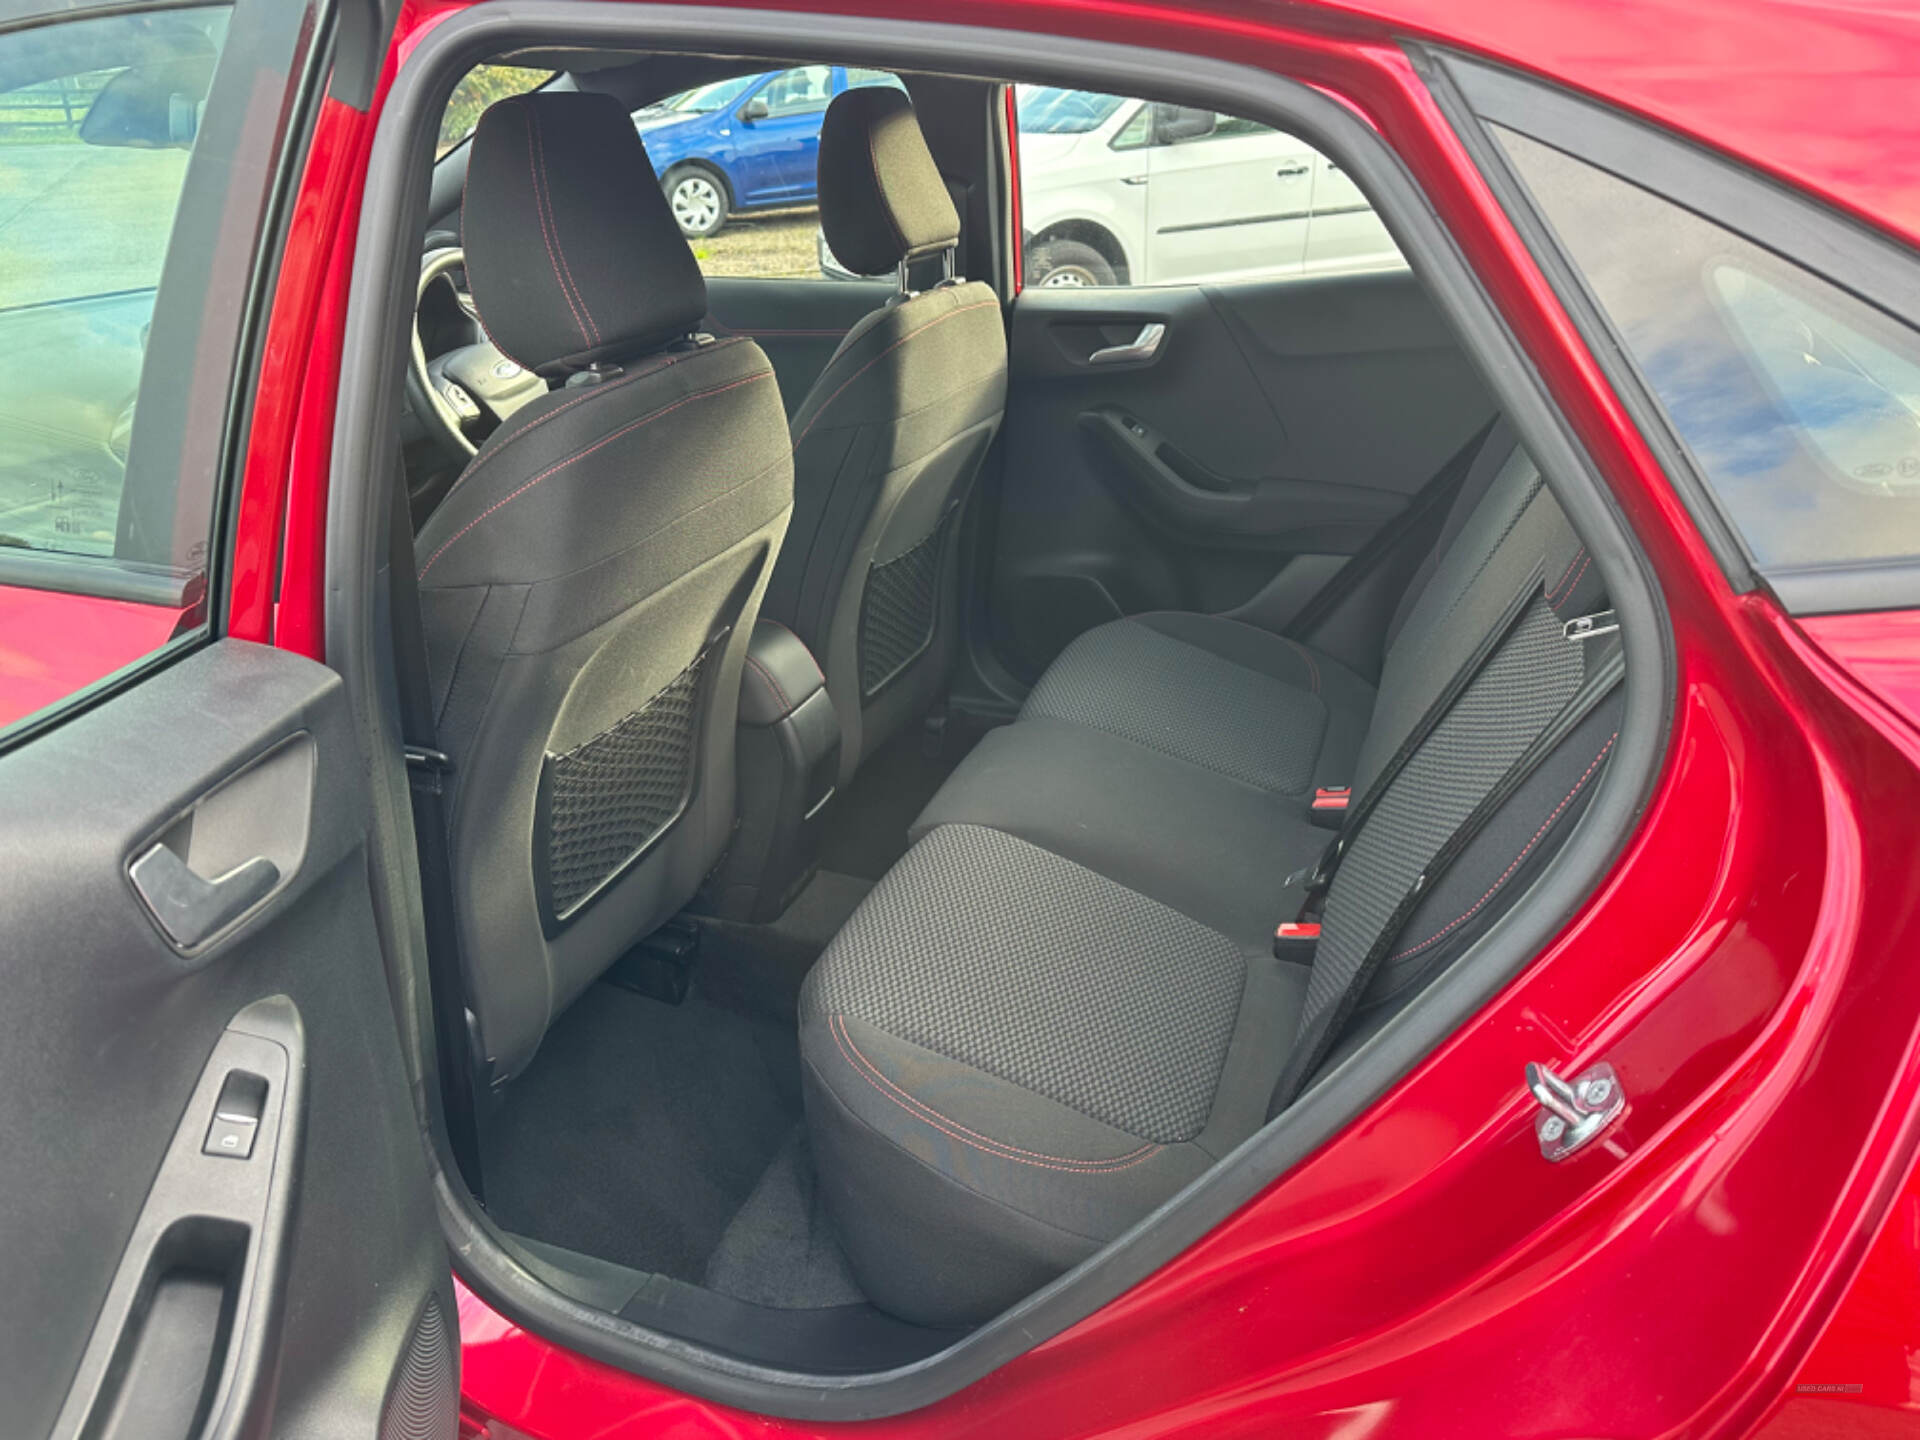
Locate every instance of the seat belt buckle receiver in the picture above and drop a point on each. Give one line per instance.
(1329, 808)
(1295, 940)
(425, 767)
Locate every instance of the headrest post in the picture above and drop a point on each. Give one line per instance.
(946, 266)
(901, 271)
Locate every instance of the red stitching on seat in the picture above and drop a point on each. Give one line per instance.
(627, 429)
(594, 392)
(1526, 849)
(546, 189)
(1554, 593)
(999, 1149)
(539, 211)
(1313, 670)
(957, 310)
(778, 625)
(772, 684)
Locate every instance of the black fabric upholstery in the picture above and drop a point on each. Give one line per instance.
(594, 573)
(955, 1184)
(887, 445)
(1021, 1042)
(882, 200)
(1243, 702)
(572, 254)
(781, 673)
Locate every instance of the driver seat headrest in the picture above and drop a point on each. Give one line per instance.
(882, 200)
(572, 253)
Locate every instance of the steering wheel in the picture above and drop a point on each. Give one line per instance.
(463, 395)
(433, 405)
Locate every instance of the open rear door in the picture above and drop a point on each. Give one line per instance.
(214, 1201)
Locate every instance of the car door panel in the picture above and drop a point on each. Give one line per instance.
(158, 1283)
(799, 323)
(1272, 432)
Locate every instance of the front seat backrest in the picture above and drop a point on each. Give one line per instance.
(890, 438)
(588, 586)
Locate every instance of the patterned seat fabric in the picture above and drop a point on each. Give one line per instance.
(1062, 1005)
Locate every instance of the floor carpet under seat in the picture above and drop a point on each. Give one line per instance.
(641, 1128)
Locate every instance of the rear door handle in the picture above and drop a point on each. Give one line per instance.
(192, 909)
(1143, 346)
(1288, 172)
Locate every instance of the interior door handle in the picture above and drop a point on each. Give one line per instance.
(192, 909)
(1143, 346)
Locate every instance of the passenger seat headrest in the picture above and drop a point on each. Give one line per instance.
(882, 200)
(573, 256)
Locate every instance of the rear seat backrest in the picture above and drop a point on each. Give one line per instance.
(1511, 582)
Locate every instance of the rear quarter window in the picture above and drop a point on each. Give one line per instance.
(1798, 402)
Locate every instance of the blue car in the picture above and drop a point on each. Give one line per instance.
(749, 143)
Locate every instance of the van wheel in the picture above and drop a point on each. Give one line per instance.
(1067, 262)
(698, 198)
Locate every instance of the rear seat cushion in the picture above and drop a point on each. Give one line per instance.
(1212, 848)
(1229, 697)
(1009, 1058)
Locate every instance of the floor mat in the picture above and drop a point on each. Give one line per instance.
(641, 1128)
(780, 1249)
(866, 829)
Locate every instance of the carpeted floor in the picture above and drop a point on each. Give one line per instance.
(641, 1128)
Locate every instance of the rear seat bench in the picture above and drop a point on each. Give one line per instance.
(1064, 1003)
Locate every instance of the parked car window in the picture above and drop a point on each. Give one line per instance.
(1118, 191)
(92, 162)
(1799, 403)
(798, 92)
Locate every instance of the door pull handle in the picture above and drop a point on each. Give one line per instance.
(1143, 346)
(190, 908)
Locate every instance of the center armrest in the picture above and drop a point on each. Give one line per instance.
(781, 675)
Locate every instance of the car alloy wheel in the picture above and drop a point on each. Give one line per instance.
(697, 205)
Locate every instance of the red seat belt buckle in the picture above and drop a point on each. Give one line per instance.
(1295, 939)
(1329, 809)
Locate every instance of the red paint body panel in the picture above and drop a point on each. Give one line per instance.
(53, 643)
(1881, 651)
(1748, 967)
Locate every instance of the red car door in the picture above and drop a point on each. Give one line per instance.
(216, 1203)
(1416, 1266)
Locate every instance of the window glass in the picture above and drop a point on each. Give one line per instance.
(742, 180)
(478, 89)
(1117, 191)
(798, 92)
(94, 142)
(1799, 403)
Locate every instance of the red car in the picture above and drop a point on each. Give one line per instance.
(602, 839)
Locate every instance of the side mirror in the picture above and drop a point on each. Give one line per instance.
(1175, 123)
(754, 109)
(151, 107)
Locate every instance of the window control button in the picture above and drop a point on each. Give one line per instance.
(236, 1115)
(232, 1138)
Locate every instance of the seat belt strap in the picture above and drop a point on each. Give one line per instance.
(1316, 878)
(427, 769)
(1324, 1023)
